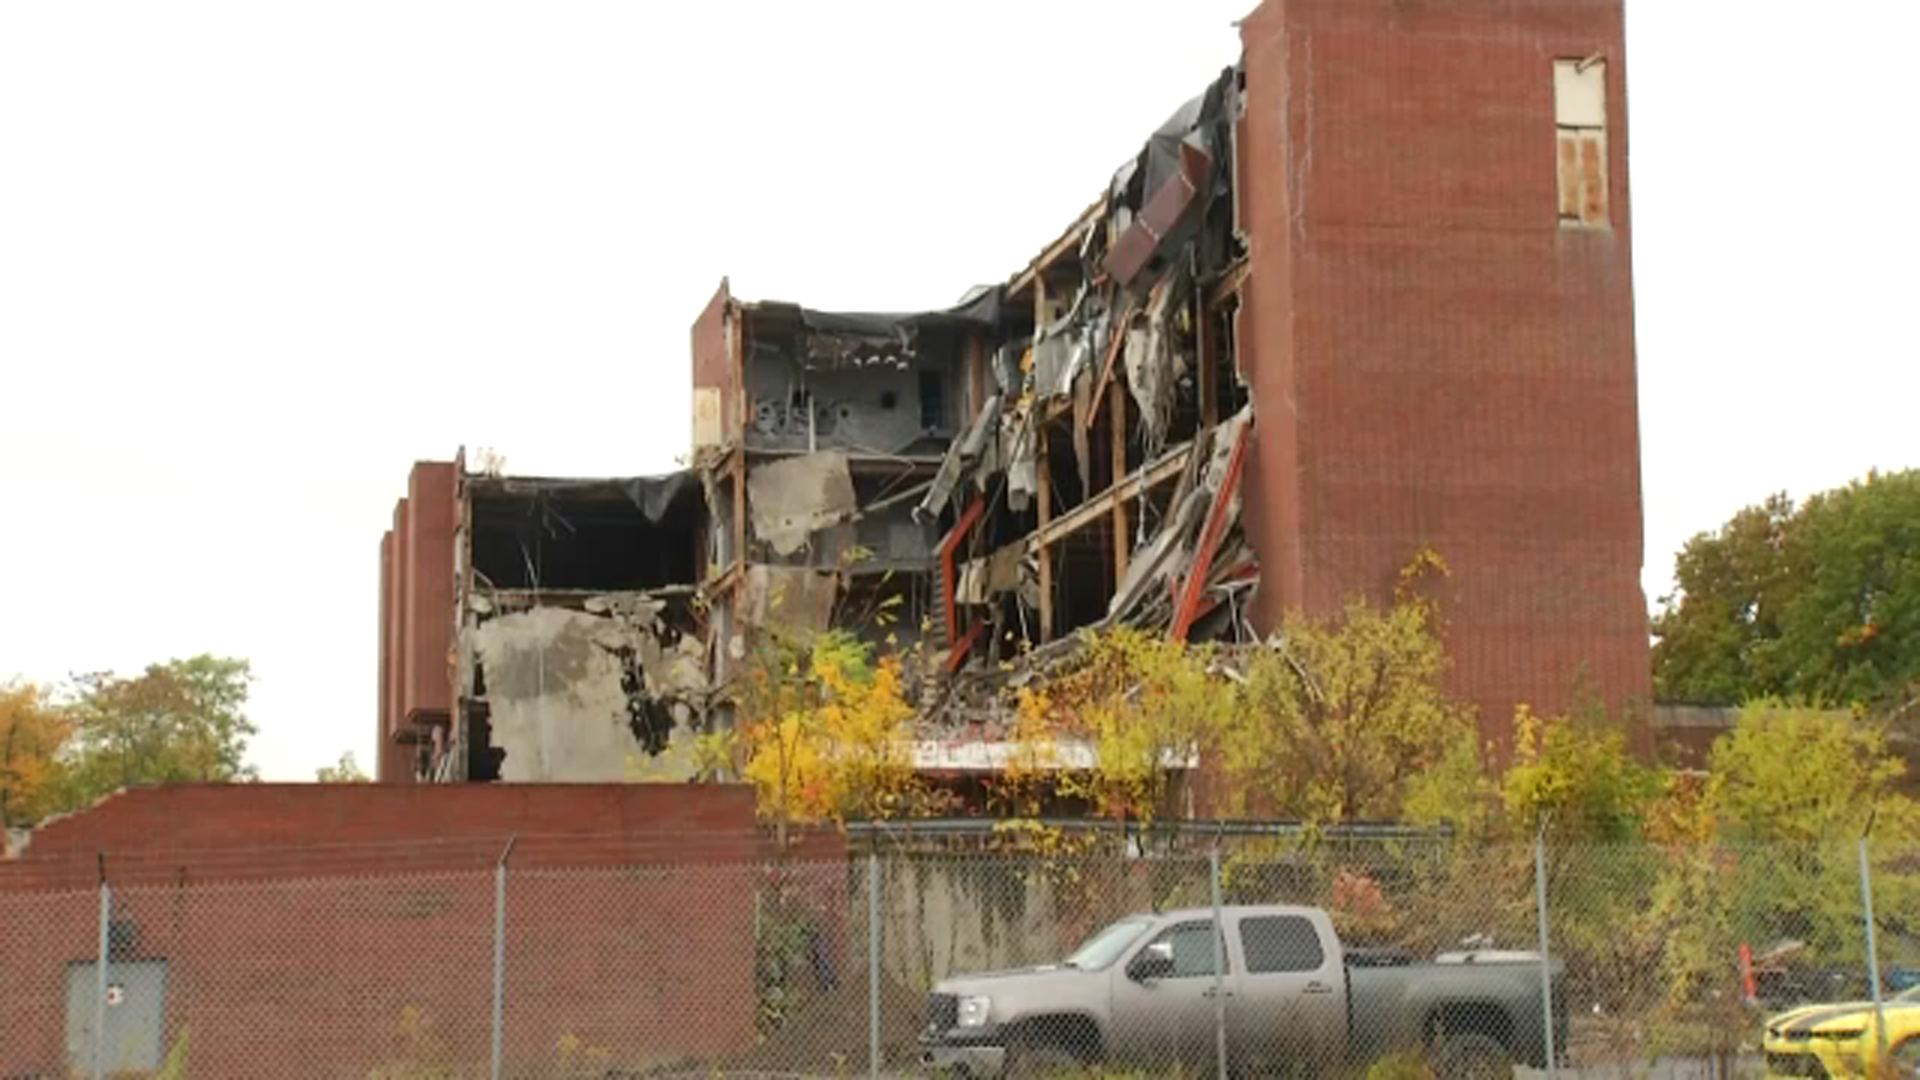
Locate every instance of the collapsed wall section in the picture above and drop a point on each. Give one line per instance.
(581, 654)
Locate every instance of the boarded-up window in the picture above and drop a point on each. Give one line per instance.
(1580, 120)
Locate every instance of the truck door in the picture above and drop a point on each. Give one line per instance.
(1166, 1018)
(1290, 1004)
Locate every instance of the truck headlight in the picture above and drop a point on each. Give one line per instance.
(973, 1011)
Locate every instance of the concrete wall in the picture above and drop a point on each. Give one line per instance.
(874, 409)
(1435, 361)
(298, 921)
(561, 691)
(946, 914)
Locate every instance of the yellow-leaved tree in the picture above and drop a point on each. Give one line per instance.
(1146, 707)
(1345, 720)
(827, 734)
(32, 775)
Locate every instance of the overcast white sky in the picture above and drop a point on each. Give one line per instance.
(255, 258)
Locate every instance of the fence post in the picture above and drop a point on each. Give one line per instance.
(100, 976)
(500, 958)
(1546, 961)
(1873, 955)
(873, 963)
(1219, 966)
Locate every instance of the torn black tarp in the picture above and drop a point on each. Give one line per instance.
(979, 311)
(1203, 123)
(657, 495)
(1160, 199)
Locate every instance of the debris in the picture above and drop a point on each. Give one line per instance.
(793, 598)
(572, 695)
(964, 452)
(795, 497)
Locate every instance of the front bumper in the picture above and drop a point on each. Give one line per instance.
(1814, 1059)
(976, 1053)
(974, 1062)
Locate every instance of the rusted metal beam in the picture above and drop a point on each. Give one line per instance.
(949, 544)
(961, 649)
(1188, 607)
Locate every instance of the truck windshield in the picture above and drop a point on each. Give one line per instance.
(1106, 946)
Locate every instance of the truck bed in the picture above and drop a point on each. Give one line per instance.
(1395, 1005)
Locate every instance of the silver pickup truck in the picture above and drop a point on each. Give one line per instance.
(1145, 993)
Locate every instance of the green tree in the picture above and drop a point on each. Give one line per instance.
(181, 721)
(1802, 778)
(1765, 847)
(1817, 602)
(1578, 780)
(347, 771)
(1346, 720)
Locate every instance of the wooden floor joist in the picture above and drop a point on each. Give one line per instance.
(1156, 472)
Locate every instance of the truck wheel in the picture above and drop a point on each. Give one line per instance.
(1470, 1055)
(1040, 1061)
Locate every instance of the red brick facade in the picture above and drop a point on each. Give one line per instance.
(416, 618)
(299, 921)
(1436, 362)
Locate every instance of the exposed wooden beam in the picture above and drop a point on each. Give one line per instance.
(1043, 474)
(1117, 411)
(1117, 337)
(1229, 282)
(1068, 241)
(1209, 381)
(1160, 470)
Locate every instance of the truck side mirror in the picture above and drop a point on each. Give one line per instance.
(1153, 962)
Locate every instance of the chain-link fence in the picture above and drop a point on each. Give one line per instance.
(1384, 957)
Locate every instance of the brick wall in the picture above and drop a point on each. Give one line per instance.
(427, 600)
(393, 760)
(299, 921)
(713, 368)
(1436, 363)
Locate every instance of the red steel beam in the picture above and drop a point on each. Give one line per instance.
(948, 544)
(1210, 536)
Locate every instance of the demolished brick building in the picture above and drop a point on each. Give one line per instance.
(1368, 294)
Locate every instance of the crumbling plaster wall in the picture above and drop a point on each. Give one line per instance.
(871, 409)
(562, 687)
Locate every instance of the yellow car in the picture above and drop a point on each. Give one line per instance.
(1818, 1041)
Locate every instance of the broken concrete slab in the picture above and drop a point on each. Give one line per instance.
(963, 455)
(578, 697)
(791, 598)
(795, 497)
